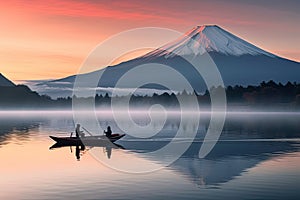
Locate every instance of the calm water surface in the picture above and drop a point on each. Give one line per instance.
(257, 157)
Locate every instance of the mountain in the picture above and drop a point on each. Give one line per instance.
(207, 38)
(239, 63)
(5, 82)
(19, 96)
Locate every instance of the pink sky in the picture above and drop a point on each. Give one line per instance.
(50, 39)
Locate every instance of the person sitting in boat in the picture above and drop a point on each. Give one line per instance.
(78, 132)
(108, 132)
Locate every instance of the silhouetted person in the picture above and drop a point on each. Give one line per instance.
(78, 131)
(108, 132)
(108, 151)
(77, 153)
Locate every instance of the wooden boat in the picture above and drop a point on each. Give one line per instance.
(87, 140)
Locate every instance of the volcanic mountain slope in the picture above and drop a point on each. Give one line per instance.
(202, 39)
(239, 62)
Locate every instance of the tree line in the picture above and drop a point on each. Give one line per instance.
(266, 94)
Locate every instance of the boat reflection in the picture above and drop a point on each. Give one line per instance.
(80, 150)
(246, 141)
(228, 160)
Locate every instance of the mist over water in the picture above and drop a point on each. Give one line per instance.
(258, 154)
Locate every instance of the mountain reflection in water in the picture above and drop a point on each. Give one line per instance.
(247, 149)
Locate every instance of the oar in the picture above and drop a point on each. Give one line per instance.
(87, 131)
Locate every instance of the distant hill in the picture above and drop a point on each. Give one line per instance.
(5, 82)
(20, 96)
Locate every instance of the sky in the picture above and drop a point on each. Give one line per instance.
(50, 39)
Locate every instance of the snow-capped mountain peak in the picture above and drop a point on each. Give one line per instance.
(227, 50)
(208, 38)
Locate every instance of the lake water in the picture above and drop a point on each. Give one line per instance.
(257, 157)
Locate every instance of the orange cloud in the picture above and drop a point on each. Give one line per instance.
(101, 9)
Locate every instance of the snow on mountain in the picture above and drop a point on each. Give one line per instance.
(238, 61)
(208, 38)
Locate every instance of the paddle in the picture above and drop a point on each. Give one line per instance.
(87, 131)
